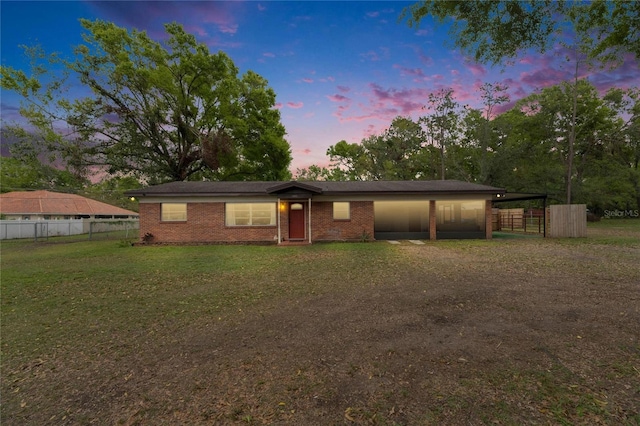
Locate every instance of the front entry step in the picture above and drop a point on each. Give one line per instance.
(295, 243)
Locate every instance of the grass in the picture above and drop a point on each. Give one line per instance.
(491, 332)
(57, 295)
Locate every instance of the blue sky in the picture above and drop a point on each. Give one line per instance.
(340, 69)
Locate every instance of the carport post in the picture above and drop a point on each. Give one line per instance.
(432, 219)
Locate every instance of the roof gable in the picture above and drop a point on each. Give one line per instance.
(294, 187)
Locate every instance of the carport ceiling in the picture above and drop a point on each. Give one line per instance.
(517, 196)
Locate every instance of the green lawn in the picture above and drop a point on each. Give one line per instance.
(495, 332)
(59, 294)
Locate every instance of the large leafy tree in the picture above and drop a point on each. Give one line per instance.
(21, 174)
(441, 125)
(611, 179)
(572, 143)
(395, 154)
(533, 149)
(160, 111)
(492, 31)
(111, 190)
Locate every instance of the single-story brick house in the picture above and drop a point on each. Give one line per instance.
(282, 212)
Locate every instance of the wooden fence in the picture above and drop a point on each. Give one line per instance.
(517, 220)
(567, 221)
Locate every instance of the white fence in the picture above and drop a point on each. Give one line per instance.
(43, 229)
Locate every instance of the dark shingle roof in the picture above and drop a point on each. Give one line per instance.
(326, 188)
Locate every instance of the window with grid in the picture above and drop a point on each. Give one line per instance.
(250, 214)
(173, 212)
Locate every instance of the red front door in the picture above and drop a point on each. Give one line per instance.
(296, 221)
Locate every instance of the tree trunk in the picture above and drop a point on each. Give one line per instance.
(442, 167)
(572, 135)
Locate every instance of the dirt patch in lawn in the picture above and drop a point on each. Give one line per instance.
(508, 332)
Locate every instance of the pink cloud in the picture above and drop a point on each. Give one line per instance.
(425, 59)
(544, 77)
(307, 80)
(412, 72)
(358, 118)
(375, 56)
(344, 89)
(337, 98)
(476, 69)
(371, 56)
(269, 55)
(295, 105)
(10, 112)
(227, 28)
(151, 16)
(405, 101)
(625, 76)
(463, 93)
(527, 60)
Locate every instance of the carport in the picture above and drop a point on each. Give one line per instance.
(508, 197)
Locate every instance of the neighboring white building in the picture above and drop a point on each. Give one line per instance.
(45, 205)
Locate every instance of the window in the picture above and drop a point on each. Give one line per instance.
(460, 219)
(341, 211)
(461, 214)
(250, 214)
(401, 219)
(174, 212)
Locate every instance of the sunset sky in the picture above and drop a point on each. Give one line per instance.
(341, 70)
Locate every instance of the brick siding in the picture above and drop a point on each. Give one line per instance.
(205, 224)
(325, 228)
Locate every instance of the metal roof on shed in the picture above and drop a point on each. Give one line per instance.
(56, 203)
